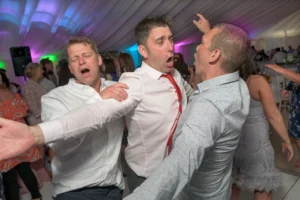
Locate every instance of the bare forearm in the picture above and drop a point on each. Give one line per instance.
(278, 124)
(291, 75)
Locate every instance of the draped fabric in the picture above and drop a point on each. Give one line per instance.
(45, 25)
(282, 34)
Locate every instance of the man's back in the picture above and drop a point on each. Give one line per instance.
(212, 179)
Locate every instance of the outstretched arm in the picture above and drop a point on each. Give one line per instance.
(285, 72)
(16, 138)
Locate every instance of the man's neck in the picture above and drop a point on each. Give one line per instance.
(212, 74)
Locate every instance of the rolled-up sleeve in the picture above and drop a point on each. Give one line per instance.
(94, 116)
(199, 131)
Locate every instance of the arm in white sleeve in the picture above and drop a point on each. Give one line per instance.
(52, 108)
(92, 117)
(197, 135)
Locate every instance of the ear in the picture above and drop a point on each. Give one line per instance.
(99, 60)
(143, 51)
(70, 68)
(215, 55)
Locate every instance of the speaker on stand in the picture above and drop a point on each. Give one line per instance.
(20, 57)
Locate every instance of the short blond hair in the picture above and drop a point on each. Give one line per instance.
(81, 40)
(31, 68)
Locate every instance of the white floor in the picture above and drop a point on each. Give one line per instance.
(290, 190)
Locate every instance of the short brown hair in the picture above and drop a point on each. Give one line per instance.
(234, 44)
(81, 40)
(31, 69)
(142, 30)
(126, 62)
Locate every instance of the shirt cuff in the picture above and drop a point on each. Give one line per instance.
(51, 130)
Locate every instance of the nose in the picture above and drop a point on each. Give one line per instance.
(170, 46)
(197, 47)
(81, 60)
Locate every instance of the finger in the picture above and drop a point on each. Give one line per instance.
(200, 17)
(121, 85)
(121, 93)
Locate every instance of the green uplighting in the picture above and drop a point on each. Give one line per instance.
(2, 65)
(51, 57)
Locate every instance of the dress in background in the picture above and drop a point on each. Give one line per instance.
(254, 156)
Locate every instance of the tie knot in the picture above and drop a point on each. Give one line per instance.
(167, 75)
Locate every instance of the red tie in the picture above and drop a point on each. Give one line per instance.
(179, 95)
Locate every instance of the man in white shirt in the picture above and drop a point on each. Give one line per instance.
(152, 108)
(86, 166)
(278, 56)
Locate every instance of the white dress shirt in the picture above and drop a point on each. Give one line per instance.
(91, 159)
(151, 109)
(278, 57)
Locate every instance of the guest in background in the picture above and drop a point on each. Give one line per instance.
(181, 66)
(278, 56)
(13, 107)
(283, 50)
(64, 74)
(253, 162)
(291, 50)
(125, 63)
(48, 70)
(33, 92)
(14, 87)
(294, 122)
(110, 70)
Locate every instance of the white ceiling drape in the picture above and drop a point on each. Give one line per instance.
(45, 25)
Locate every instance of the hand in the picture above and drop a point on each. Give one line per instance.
(15, 138)
(116, 91)
(284, 93)
(275, 67)
(288, 146)
(202, 24)
(191, 70)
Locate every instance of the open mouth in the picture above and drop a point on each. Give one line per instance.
(170, 59)
(84, 71)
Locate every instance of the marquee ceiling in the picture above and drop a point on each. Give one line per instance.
(45, 25)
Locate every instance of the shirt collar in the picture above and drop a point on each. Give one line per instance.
(151, 71)
(220, 80)
(82, 87)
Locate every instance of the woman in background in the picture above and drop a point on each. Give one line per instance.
(294, 122)
(13, 107)
(110, 70)
(253, 163)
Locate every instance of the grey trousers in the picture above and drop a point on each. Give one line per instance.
(133, 180)
(92, 193)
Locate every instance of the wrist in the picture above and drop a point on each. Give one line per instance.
(37, 134)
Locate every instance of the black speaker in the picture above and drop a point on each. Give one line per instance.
(20, 57)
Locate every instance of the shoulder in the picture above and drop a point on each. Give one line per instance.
(257, 81)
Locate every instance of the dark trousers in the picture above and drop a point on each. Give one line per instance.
(0, 186)
(133, 179)
(92, 193)
(11, 186)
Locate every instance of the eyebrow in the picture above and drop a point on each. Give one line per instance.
(163, 37)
